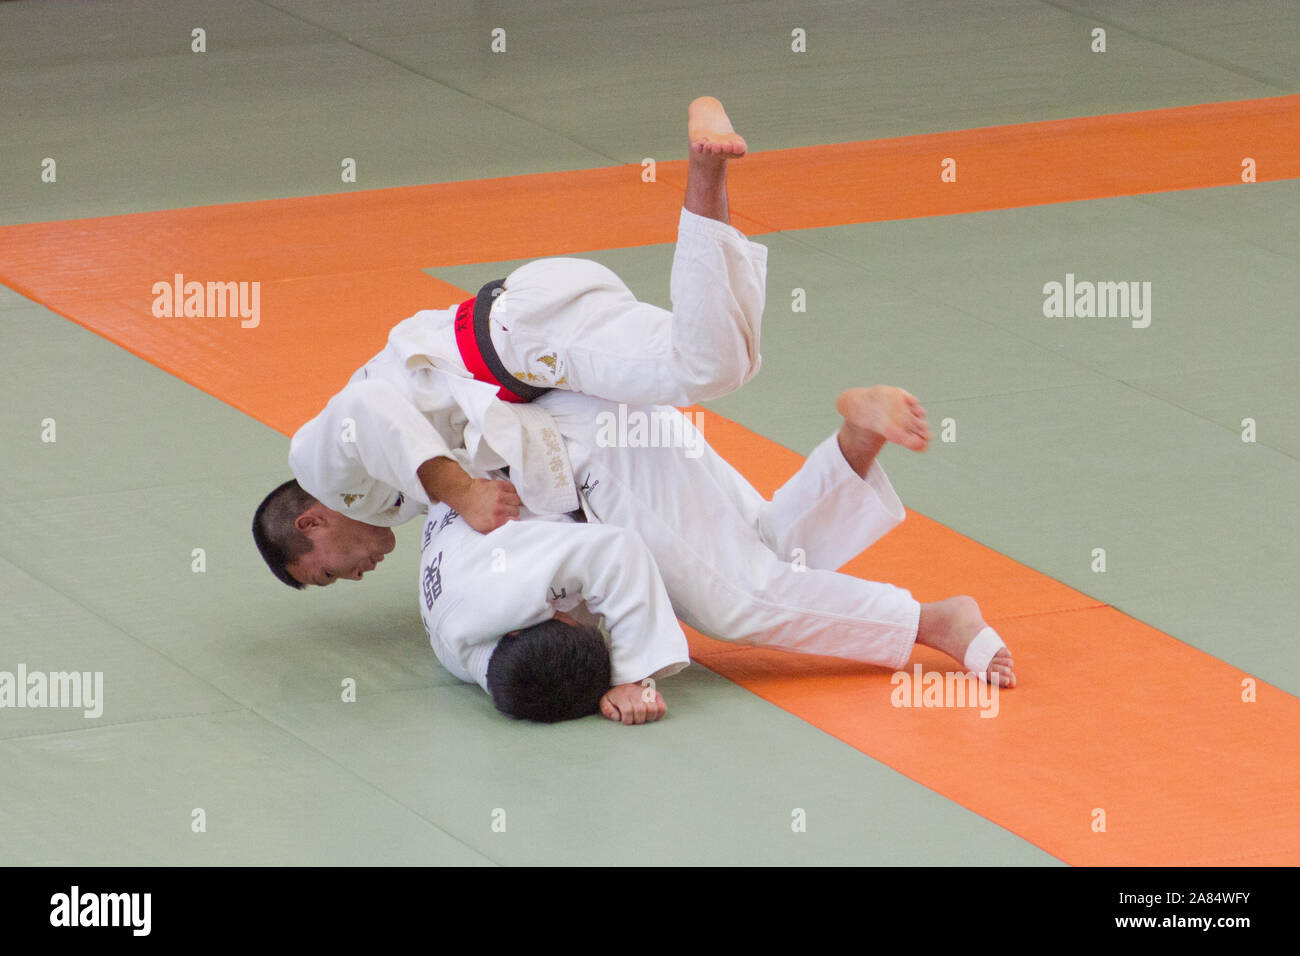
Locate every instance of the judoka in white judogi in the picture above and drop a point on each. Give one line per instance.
(567, 324)
(670, 535)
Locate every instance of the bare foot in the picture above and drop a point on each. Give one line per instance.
(950, 626)
(887, 411)
(710, 131)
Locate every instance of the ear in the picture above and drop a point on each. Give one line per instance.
(313, 518)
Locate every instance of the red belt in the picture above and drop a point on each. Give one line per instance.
(475, 343)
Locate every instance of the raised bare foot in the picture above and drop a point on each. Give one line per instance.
(951, 625)
(887, 411)
(710, 131)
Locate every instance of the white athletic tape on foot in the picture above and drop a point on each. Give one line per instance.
(979, 654)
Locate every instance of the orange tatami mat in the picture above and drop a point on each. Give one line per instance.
(1113, 722)
(343, 266)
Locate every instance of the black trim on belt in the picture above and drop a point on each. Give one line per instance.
(483, 338)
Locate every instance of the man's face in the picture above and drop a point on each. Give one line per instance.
(341, 547)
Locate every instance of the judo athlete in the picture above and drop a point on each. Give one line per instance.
(671, 532)
(451, 392)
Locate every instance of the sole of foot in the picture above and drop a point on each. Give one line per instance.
(710, 132)
(888, 411)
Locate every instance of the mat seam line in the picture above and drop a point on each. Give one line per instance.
(1169, 45)
(444, 84)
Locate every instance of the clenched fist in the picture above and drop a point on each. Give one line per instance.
(488, 504)
(633, 704)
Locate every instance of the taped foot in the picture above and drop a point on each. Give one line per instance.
(987, 656)
(956, 627)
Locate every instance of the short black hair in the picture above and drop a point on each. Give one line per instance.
(280, 543)
(549, 672)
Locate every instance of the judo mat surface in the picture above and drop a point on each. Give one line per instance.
(1159, 691)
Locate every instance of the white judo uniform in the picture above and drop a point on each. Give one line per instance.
(568, 324)
(671, 534)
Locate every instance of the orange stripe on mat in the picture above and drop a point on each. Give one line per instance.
(1110, 714)
(339, 269)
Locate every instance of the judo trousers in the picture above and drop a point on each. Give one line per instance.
(573, 324)
(736, 566)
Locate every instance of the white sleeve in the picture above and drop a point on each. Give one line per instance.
(830, 512)
(476, 588)
(360, 455)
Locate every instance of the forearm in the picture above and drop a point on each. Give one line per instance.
(444, 480)
(485, 503)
